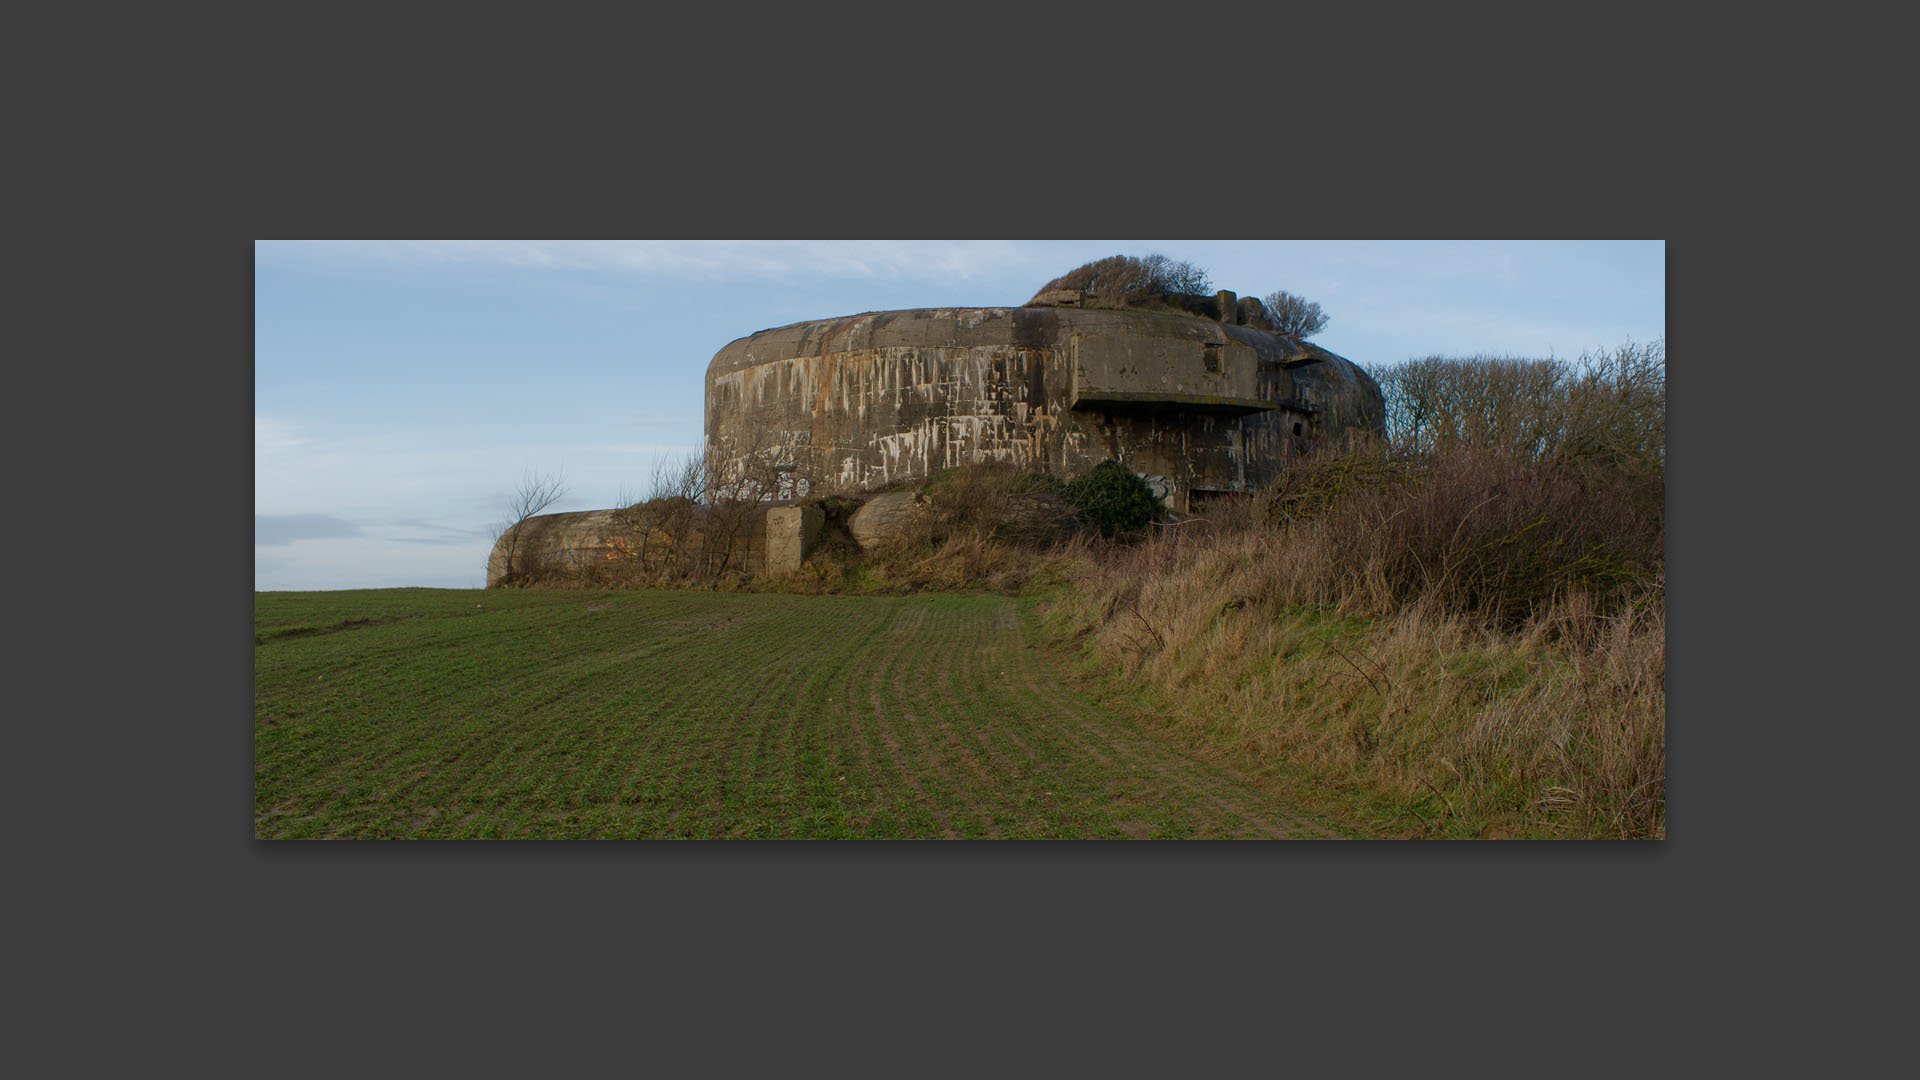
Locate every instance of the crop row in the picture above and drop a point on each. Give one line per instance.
(702, 715)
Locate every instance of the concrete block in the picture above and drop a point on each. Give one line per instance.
(793, 532)
(885, 517)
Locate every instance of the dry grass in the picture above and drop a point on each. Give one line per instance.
(960, 562)
(1439, 723)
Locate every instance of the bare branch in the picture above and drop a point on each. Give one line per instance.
(1294, 316)
(537, 492)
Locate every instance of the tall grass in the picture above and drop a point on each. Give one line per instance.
(1457, 725)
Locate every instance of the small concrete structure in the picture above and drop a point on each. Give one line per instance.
(588, 544)
(792, 534)
(551, 542)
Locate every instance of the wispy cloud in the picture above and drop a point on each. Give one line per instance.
(270, 530)
(366, 562)
(272, 433)
(938, 260)
(433, 532)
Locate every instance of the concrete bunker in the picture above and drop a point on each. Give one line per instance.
(1195, 403)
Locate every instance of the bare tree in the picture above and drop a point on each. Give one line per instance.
(1294, 316)
(537, 491)
(1176, 276)
(740, 480)
(1609, 405)
(652, 534)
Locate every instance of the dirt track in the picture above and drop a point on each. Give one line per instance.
(1154, 787)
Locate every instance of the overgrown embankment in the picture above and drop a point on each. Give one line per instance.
(1458, 634)
(1431, 722)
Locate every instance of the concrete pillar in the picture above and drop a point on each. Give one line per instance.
(792, 534)
(1229, 306)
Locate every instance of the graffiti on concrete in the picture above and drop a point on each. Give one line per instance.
(1159, 485)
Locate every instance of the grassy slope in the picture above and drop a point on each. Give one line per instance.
(434, 713)
(1422, 725)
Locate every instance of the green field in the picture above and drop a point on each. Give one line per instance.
(529, 713)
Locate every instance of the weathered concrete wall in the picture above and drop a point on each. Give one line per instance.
(1194, 403)
(577, 543)
(551, 541)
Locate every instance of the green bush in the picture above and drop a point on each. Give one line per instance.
(1110, 498)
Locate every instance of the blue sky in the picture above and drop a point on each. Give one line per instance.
(403, 388)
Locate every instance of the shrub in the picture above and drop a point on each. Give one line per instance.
(1110, 498)
(993, 501)
(967, 500)
(1491, 537)
(1313, 486)
(1039, 483)
(1130, 281)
